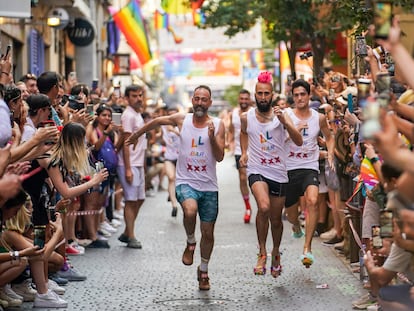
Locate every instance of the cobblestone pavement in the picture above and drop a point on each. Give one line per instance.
(153, 278)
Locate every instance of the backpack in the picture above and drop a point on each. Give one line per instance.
(107, 155)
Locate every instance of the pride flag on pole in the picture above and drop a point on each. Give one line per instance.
(130, 22)
(161, 20)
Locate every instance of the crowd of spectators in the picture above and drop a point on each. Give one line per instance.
(59, 191)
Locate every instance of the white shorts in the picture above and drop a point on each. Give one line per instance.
(136, 190)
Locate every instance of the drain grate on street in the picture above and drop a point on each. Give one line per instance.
(194, 302)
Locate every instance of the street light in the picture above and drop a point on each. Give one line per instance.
(58, 18)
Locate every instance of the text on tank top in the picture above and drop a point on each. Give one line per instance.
(267, 156)
(196, 165)
(307, 155)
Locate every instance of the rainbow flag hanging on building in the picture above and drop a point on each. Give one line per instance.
(130, 22)
(161, 20)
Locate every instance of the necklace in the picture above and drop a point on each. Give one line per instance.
(265, 116)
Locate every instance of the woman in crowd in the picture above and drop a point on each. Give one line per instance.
(102, 134)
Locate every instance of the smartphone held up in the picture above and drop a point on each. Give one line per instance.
(382, 18)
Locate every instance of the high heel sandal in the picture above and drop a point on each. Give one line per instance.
(307, 259)
(260, 268)
(247, 215)
(276, 271)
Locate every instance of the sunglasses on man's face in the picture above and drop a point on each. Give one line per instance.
(336, 79)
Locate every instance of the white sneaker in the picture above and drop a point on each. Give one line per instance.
(115, 223)
(118, 214)
(25, 290)
(328, 234)
(12, 302)
(49, 300)
(101, 237)
(11, 293)
(103, 232)
(107, 227)
(52, 285)
(78, 247)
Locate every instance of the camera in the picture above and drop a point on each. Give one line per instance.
(306, 55)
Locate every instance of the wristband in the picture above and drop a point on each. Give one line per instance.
(5, 73)
(374, 160)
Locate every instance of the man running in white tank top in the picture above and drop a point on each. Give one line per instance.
(302, 165)
(234, 138)
(201, 147)
(262, 137)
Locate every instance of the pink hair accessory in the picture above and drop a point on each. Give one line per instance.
(265, 77)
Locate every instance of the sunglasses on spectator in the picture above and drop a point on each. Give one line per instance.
(30, 76)
(336, 79)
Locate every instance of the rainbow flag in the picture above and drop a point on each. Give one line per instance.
(129, 20)
(161, 20)
(199, 18)
(368, 174)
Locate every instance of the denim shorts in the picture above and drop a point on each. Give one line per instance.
(207, 201)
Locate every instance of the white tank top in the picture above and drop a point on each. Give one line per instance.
(307, 155)
(172, 143)
(267, 156)
(196, 165)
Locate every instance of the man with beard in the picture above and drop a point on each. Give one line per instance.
(263, 134)
(234, 131)
(201, 146)
(131, 164)
(303, 167)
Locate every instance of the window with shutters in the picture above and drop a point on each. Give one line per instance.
(36, 52)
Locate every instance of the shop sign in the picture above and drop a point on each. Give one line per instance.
(82, 33)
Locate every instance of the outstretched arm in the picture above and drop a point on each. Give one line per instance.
(173, 120)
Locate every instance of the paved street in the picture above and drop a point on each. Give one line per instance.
(154, 278)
